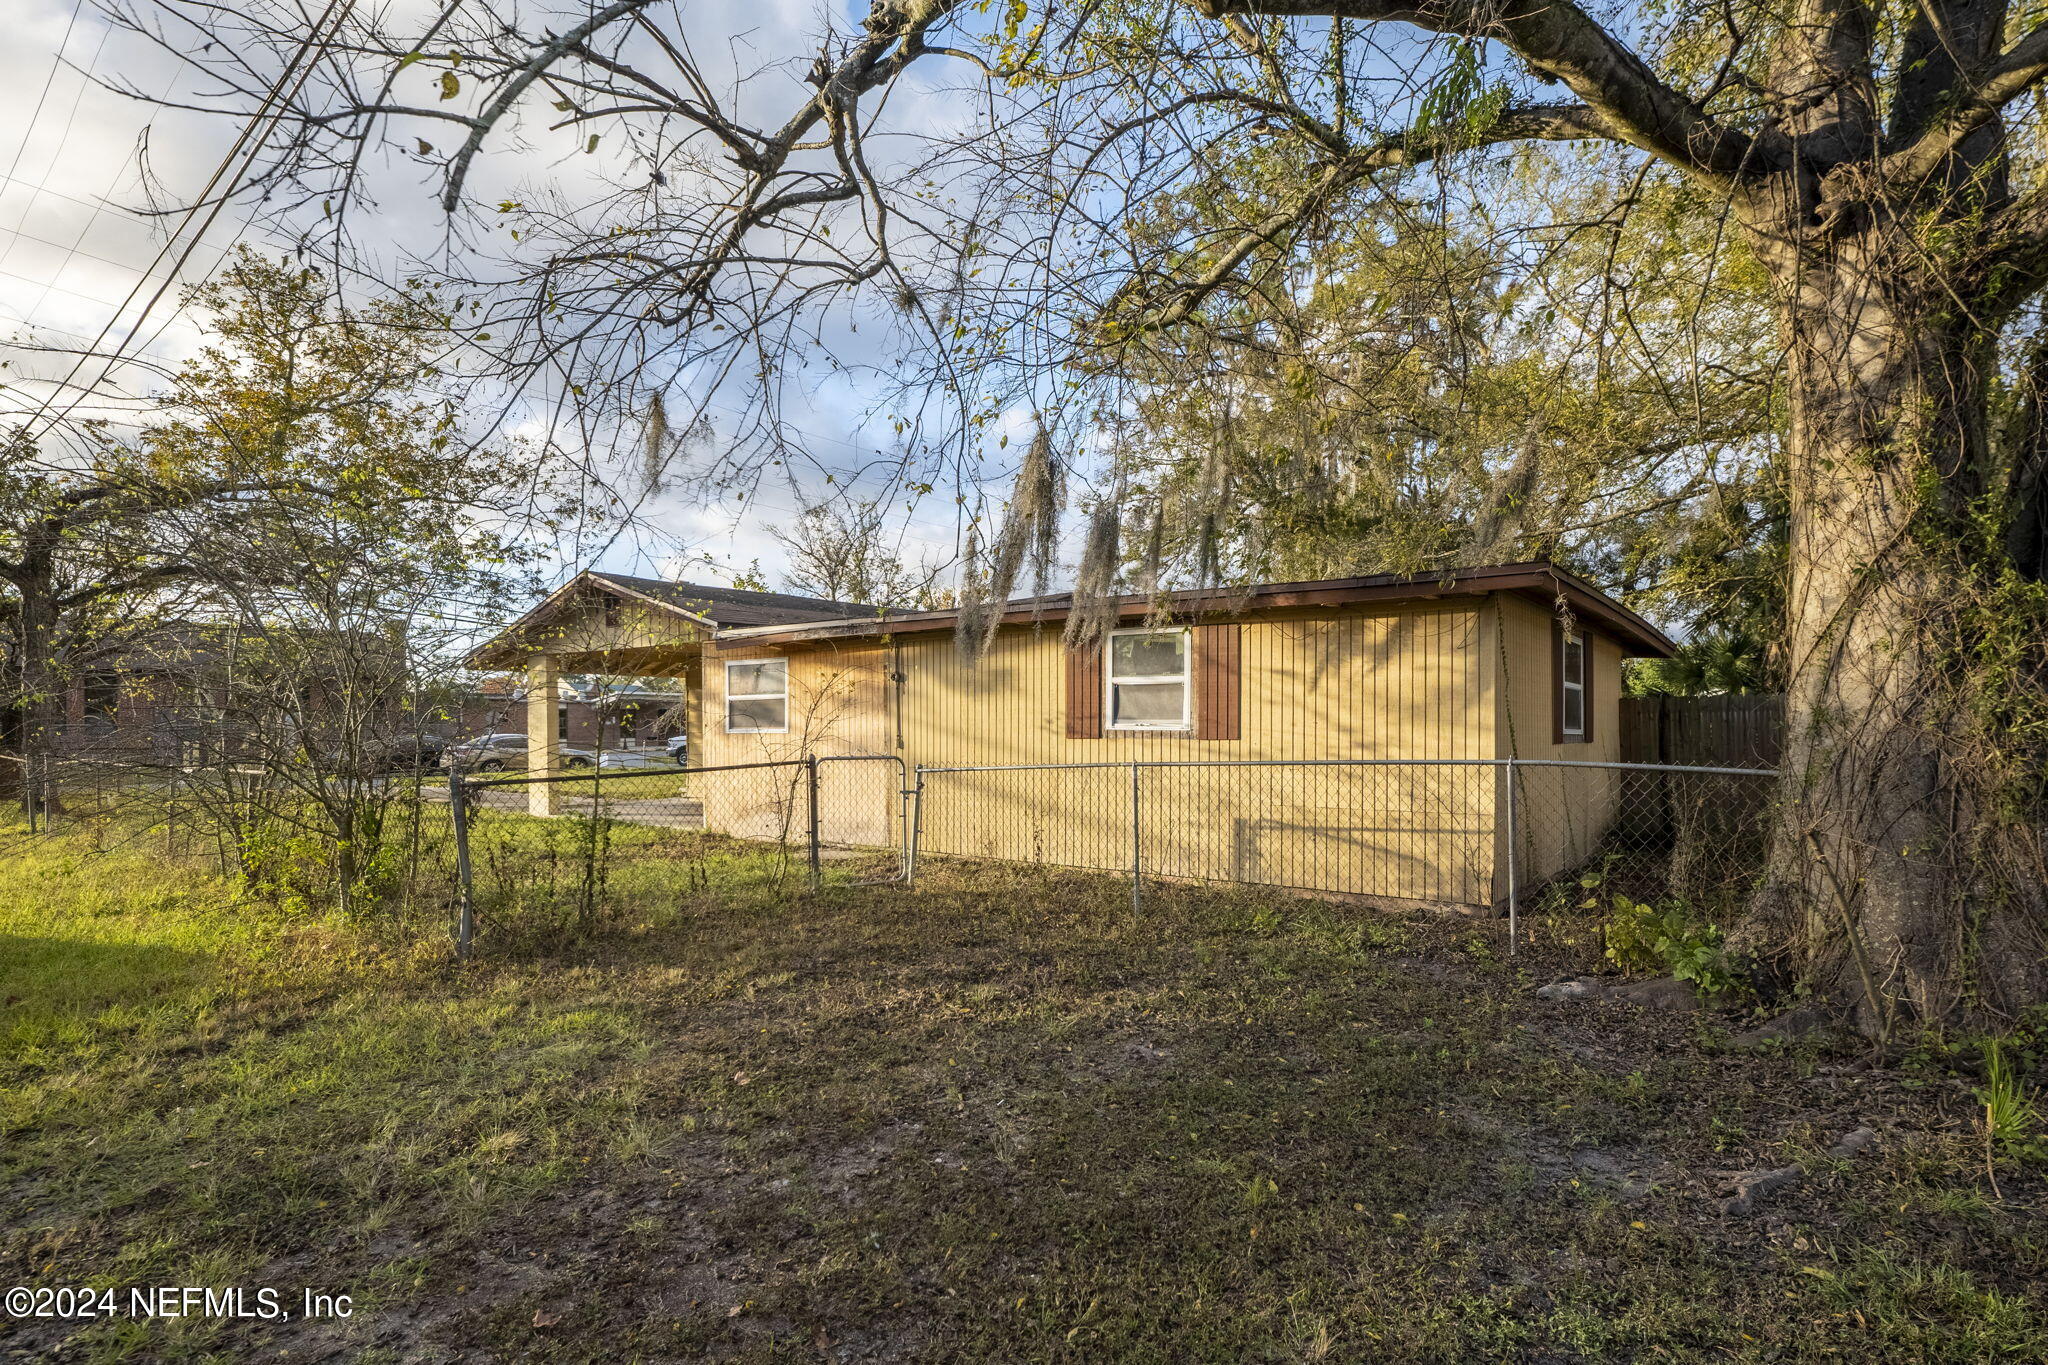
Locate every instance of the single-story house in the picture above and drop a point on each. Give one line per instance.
(1519, 660)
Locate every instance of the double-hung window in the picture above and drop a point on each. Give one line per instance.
(1147, 680)
(1571, 682)
(757, 697)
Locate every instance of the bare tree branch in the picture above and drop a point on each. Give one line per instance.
(1560, 41)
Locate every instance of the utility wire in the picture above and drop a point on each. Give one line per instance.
(226, 178)
(28, 131)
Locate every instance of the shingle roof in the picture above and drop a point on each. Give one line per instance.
(737, 606)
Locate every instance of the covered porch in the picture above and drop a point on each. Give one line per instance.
(615, 627)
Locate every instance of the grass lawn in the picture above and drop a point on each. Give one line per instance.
(995, 1118)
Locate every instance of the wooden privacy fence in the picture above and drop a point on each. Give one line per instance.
(1713, 732)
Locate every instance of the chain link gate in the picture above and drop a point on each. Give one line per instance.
(600, 835)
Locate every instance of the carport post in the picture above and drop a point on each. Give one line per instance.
(543, 756)
(811, 782)
(465, 910)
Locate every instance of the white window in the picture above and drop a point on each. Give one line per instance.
(1147, 680)
(757, 697)
(1571, 678)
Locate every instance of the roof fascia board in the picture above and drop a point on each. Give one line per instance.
(1542, 581)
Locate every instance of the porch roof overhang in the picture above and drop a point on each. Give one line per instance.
(516, 645)
(1538, 581)
(699, 612)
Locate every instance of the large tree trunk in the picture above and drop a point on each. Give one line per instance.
(1879, 884)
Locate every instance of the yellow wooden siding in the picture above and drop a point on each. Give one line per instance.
(1420, 681)
(1375, 683)
(838, 706)
(1562, 814)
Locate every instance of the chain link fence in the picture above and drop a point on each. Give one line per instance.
(1588, 832)
(1515, 835)
(1511, 833)
(608, 840)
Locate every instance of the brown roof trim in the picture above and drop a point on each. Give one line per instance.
(1541, 581)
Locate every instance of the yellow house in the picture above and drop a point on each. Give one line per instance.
(1266, 722)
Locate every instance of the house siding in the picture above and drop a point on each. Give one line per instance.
(1378, 682)
(1562, 813)
(839, 707)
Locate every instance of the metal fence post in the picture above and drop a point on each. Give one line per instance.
(465, 908)
(916, 795)
(811, 783)
(1136, 829)
(1514, 911)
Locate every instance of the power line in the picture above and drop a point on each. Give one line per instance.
(57, 152)
(28, 132)
(225, 177)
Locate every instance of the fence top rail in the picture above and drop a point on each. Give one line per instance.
(594, 774)
(1640, 767)
(1125, 765)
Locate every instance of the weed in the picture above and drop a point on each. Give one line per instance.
(1642, 936)
(2012, 1119)
(991, 1119)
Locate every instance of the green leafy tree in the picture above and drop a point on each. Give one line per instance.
(379, 523)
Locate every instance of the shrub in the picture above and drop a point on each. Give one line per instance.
(1646, 936)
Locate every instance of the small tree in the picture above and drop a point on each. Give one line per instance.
(330, 638)
(97, 554)
(839, 551)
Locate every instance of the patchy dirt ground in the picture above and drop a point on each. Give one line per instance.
(999, 1118)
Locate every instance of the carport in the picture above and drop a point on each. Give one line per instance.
(623, 626)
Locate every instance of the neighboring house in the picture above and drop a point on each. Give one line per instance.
(189, 693)
(1521, 660)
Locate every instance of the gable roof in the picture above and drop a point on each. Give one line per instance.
(704, 605)
(1537, 580)
(730, 606)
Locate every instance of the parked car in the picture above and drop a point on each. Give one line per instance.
(504, 752)
(678, 748)
(636, 760)
(408, 753)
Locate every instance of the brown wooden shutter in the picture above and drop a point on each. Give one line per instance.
(1218, 687)
(1084, 692)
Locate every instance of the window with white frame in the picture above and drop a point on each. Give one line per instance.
(757, 697)
(1571, 681)
(1147, 680)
